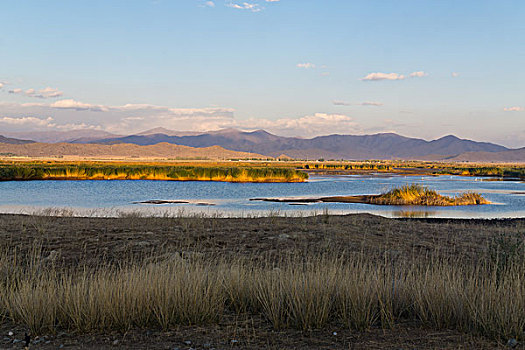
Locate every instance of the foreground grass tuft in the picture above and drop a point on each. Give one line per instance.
(358, 292)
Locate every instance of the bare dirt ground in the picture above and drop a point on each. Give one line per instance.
(95, 241)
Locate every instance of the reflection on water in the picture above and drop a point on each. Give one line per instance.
(113, 198)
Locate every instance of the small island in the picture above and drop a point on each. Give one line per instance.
(405, 195)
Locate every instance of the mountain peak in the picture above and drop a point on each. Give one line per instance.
(449, 138)
(159, 130)
(261, 132)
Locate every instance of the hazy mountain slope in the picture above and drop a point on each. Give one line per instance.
(80, 136)
(451, 145)
(513, 155)
(378, 146)
(161, 150)
(13, 141)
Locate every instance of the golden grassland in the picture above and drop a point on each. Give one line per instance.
(114, 171)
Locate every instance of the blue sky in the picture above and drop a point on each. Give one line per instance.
(294, 67)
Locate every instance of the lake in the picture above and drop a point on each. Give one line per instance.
(112, 198)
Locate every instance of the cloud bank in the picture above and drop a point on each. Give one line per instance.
(70, 114)
(47, 92)
(250, 6)
(378, 76)
(306, 65)
(366, 103)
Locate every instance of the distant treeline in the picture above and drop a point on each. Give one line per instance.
(40, 171)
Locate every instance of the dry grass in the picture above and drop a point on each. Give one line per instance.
(310, 292)
(419, 195)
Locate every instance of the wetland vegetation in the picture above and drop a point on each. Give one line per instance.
(115, 171)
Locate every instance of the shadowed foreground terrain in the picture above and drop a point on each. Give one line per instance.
(323, 282)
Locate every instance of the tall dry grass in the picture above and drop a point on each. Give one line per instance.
(315, 292)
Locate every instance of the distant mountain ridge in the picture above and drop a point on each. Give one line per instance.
(513, 155)
(76, 136)
(127, 151)
(13, 141)
(358, 147)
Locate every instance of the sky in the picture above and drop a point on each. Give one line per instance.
(420, 68)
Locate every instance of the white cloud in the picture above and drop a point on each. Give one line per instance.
(125, 118)
(383, 76)
(132, 118)
(341, 103)
(514, 109)
(79, 106)
(454, 74)
(1, 85)
(273, 0)
(371, 103)
(306, 65)
(366, 103)
(392, 76)
(419, 74)
(250, 6)
(209, 4)
(24, 123)
(138, 107)
(47, 92)
(80, 126)
(307, 126)
(27, 120)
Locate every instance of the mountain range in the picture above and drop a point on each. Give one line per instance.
(358, 147)
(260, 142)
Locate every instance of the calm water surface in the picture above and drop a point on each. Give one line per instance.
(232, 199)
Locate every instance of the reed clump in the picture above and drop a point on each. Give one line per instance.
(517, 171)
(43, 171)
(313, 292)
(419, 195)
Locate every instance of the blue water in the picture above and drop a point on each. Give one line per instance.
(232, 199)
